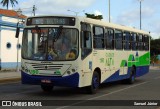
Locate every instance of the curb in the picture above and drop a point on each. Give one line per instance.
(155, 68)
(9, 80)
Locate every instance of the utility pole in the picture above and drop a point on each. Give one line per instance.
(140, 14)
(19, 12)
(34, 10)
(109, 11)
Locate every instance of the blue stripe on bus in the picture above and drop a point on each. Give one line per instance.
(140, 71)
(70, 81)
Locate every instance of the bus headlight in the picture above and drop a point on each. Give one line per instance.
(73, 70)
(68, 72)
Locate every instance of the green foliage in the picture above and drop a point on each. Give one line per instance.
(154, 59)
(99, 17)
(155, 46)
(6, 3)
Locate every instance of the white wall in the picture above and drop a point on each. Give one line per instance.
(9, 19)
(9, 55)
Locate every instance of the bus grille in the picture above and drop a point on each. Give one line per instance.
(47, 66)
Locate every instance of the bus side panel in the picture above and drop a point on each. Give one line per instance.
(138, 59)
(116, 76)
(85, 71)
(142, 70)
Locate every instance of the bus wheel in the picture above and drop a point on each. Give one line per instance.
(131, 79)
(95, 83)
(46, 88)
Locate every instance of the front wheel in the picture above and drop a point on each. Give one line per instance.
(46, 88)
(92, 89)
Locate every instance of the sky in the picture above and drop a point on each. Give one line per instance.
(123, 12)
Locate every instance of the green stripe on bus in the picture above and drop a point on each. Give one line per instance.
(137, 60)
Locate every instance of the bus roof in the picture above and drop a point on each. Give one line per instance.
(101, 23)
(111, 25)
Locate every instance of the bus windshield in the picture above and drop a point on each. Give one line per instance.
(50, 44)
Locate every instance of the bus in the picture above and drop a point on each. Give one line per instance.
(74, 51)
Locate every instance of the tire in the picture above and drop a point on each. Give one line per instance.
(132, 77)
(46, 88)
(92, 89)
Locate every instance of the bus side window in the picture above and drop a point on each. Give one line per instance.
(118, 39)
(140, 42)
(134, 41)
(126, 41)
(98, 34)
(109, 37)
(86, 40)
(146, 43)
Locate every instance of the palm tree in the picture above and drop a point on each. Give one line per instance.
(6, 2)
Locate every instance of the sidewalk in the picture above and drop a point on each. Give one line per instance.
(9, 76)
(154, 67)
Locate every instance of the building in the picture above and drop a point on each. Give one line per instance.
(10, 47)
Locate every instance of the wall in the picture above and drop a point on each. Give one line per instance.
(8, 54)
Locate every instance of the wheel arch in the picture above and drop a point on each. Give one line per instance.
(98, 70)
(134, 67)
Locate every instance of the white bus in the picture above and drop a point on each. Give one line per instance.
(81, 52)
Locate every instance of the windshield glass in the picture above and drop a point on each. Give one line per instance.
(50, 44)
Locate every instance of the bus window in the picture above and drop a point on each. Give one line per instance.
(126, 41)
(140, 42)
(86, 40)
(134, 41)
(109, 36)
(146, 42)
(140, 38)
(118, 39)
(98, 33)
(46, 45)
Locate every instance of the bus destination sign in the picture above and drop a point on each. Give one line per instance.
(70, 21)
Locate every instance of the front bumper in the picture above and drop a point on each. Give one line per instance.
(69, 81)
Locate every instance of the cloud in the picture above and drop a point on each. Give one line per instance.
(150, 22)
(127, 17)
(57, 6)
(96, 12)
(155, 31)
(132, 16)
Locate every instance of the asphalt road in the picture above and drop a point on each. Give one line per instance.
(146, 88)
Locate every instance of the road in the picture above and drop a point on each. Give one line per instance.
(146, 87)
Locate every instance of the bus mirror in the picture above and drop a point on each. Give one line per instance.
(17, 32)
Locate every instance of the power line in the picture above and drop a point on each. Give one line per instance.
(32, 10)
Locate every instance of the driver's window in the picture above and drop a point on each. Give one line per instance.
(86, 40)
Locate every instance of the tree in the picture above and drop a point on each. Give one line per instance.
(93, 16)
(6, 3)
(155, 47)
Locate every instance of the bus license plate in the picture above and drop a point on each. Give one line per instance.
(45, 81)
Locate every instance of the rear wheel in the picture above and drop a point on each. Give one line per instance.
(92, 89)
(132, 77)
(46, 88)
